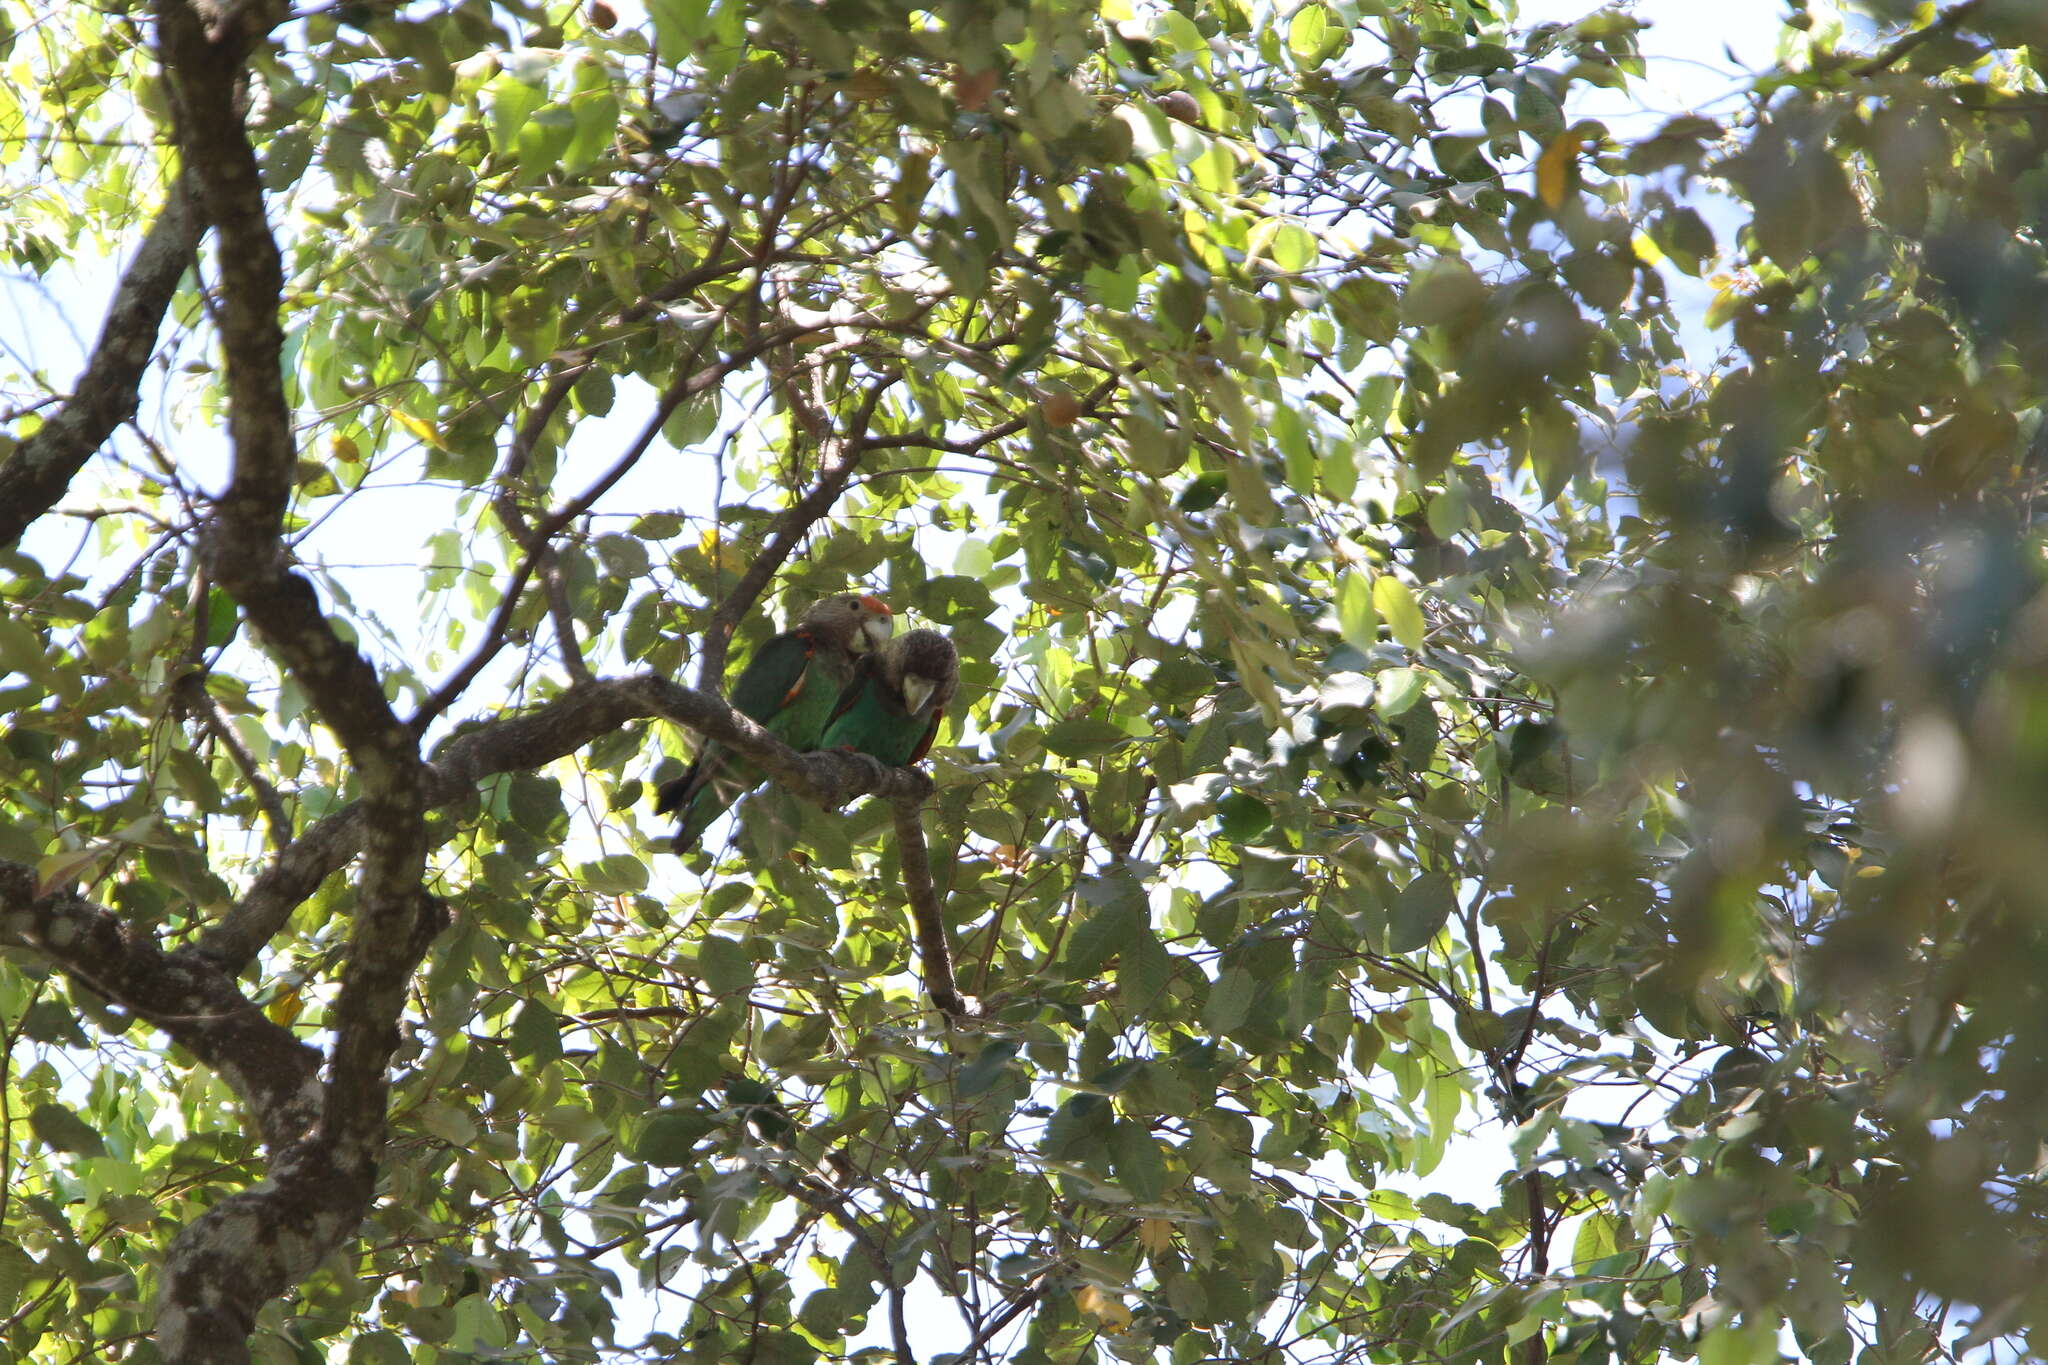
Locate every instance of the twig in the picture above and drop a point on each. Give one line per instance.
(834, 1206)
(201, 705)
(505, 502)
(1945, 22)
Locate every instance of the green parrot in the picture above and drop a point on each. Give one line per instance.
(897, 698)
(789, 689)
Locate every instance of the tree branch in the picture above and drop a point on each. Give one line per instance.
(37, 474)
(505, 502)
(223, 1267)
(834, 1205)
(201, 706)
(692, 382)
(191, 999)
(1945, 22)
(791, 525)
(932, 946)
(528, 740)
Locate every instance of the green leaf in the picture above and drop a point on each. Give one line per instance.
(20, 649)
(1356, 616)
(1419, 912)
(617, 874)
(1144, 969)
(622, 556)
(950, 599)
(679, 25)
(1310, 34)
(1397, 607)
(986, 1068)
(537, 1032)
(1230, 1000)
(725, 964)
(64, 1130)
(1084, 737)
(1134, 1157)
(379, 1348)
(1396, 690)
(512, 102)
(1750, 1343)
(1596, 1241)
(669, 1136)
(1099, 938)
(1243, 816)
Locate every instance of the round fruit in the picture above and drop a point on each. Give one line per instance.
(1060, 409)
(602, 16)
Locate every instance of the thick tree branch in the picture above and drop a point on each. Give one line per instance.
(36, 475)
(528, 740)
(243, 546)
(252, 1246)
(189, 998)
(226, 1265)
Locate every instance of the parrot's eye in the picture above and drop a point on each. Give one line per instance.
(852, 602)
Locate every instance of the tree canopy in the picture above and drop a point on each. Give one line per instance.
(1471, 621)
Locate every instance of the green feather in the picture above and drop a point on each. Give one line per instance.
(874, 717)
(872, 720)
(788, 689)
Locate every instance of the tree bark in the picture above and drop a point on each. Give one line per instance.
(37, 474)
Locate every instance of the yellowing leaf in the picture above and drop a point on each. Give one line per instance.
(1554, 166)
(286, 1007)
(1260, 238)
(426, 431)
(1155, 1235)
(1398, 609)
(1106, 1309)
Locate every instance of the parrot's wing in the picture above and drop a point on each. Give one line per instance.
(774, 677)
(924, 743)
(864, 672)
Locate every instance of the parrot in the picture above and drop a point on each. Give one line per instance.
(789, 689)
(892, 707)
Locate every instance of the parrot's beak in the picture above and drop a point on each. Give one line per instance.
(917, 692)
(875, 631)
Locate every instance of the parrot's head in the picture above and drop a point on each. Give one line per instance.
(925, 668)
(864, 622)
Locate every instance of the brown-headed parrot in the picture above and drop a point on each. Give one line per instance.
(897, 698)
(789, 689)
